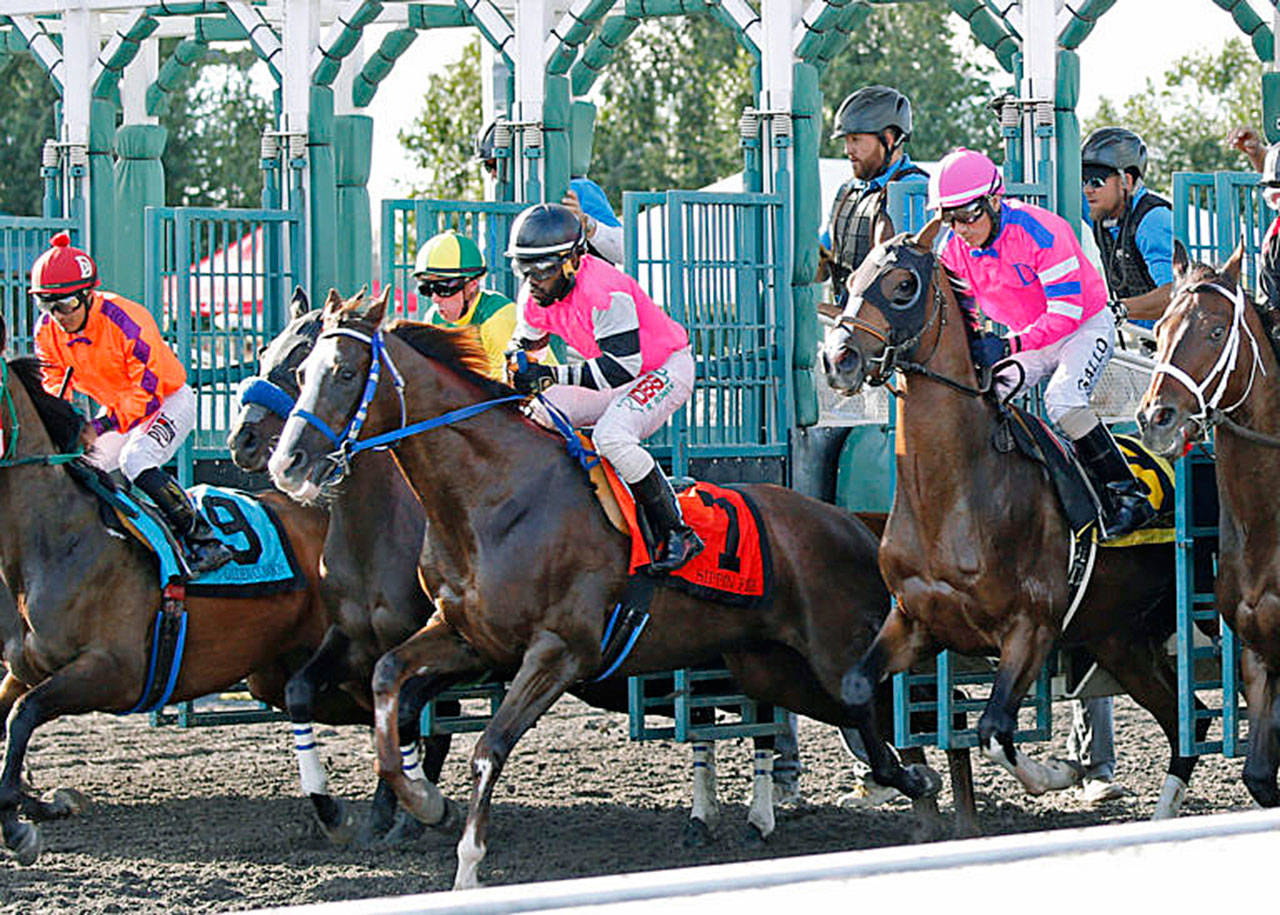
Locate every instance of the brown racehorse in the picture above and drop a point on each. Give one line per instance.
(976, 547)
(1216, 370)
(85, 600)
(524, 564)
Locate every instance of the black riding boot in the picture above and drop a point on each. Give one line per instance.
(205, 552)
(677, 542)
(1125, 506)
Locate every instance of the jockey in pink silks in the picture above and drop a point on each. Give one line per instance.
(638, 367)
(1023, 267)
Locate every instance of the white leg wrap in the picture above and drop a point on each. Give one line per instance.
(1172, 795)
(310, 768)
(411, 762)
(705, 806)
(760, 815)
(1036, 777)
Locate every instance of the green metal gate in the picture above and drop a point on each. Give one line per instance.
(22, 240)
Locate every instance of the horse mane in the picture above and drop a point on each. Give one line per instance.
(61, 419)
(458, 349)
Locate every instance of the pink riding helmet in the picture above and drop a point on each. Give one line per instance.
(963, 176)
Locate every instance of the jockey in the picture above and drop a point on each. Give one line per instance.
(875, 124)
(448, 269)
(1269, 267)
(639, 366)
(117, 357)
(1024, 268)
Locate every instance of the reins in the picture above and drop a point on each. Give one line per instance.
(12, 427)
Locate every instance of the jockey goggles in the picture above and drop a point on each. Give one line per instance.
(539, 270)
(964, 215)
(61, 304)
(443, 287)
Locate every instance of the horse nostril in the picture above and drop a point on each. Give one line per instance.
(847, 362)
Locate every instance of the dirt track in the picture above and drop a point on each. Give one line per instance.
(211, 819)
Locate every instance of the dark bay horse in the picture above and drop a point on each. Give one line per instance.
(524, 563)
(976, 548)
(1216, 370)
(85, 599)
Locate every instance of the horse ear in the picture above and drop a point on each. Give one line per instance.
(1231, 268)
(375, 310)
(926, 236)
(883, 231)
(333, 303)
(299, 305)
(1181, 261)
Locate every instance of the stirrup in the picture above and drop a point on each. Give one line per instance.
(691, 545)
(207, 555)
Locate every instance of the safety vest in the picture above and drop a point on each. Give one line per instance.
(1126, 270)
(853, 221)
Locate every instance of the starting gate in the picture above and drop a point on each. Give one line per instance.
(22, 240)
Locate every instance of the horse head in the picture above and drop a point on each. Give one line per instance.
(1207, 357)
(897, 281)
(338, 381)
(267, 398)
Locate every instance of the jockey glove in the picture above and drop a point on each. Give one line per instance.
(987, 349)
(533, 378)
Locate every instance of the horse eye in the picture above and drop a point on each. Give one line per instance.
(347, 374)
(1217, 333)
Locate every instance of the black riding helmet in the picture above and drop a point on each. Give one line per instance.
(544, 241)
(873, 109)
(483, 147)
(1115, 148)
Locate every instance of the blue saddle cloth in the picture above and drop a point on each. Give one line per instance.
(263, 562)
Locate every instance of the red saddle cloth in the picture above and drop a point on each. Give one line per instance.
(733, 567)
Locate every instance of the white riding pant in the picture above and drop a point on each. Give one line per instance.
(623, 416)
(151, 443)
(1073, 366)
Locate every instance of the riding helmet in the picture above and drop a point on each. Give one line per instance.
(1116, 148)
(63, 269)
(872, 109)
(449, 255)
(484, 143)
(545, 231)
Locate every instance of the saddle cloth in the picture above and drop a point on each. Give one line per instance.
(263, 560)
(1034, 439)
(733, 568)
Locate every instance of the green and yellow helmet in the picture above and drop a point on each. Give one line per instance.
(448, 255)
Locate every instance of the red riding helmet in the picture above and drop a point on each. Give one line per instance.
(63, 269)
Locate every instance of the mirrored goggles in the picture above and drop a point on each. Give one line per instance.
(539, 270)
(969, 213)
(62, 304)
(444, 288)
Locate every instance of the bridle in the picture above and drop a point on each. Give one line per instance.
(11, 428)
(1209, 413)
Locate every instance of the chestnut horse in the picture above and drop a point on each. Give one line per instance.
(524, 563)
(85, 600)
(976, 547)
(1217, 371)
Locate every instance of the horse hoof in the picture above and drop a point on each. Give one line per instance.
(452, 820)
(69, 802)
(921, 781)
(754, 835)
(24, 841)
(404, 831)
(696, 833)
(336, 821)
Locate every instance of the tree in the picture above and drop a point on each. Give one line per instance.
(1185, 118)
(913, 48)
(441, 137)
(26, 121)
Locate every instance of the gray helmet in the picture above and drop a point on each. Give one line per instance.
(484, 143)
(1271, 166)
(870, 110)
(1117, 148)
(543, 231)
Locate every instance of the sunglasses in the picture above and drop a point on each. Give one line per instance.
(964, 215)
(61, 304)
(443, 288)
(1096, 182)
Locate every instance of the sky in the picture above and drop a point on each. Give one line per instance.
(1135, 40)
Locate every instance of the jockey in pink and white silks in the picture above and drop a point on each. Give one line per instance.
(638, 367)
(1023, 267)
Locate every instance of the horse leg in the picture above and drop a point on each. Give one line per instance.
(65, 801)
(895, 647)
(548, 669)
(1021, 657)
(704, 813)
(760, 819)
(419, 757)
(325, 666)
(82, 686)
(1264, 730)
(435, 650)
(1146, 674)
(10, 689)
(960, 764)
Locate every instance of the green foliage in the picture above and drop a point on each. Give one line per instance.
(1185, 118)
(913, 49)
(26, 121)
(211, 155)
(442, 135)
(670, 106)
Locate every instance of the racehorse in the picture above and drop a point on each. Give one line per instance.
(1216, 370)
(368, 578)
(79, 601)
(976, 548)
(524, 563)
